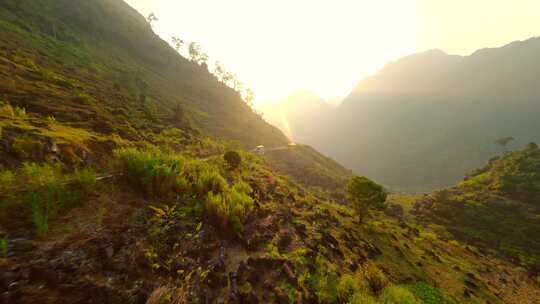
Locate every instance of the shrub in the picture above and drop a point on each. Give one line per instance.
(20, 112)
(204, 178)
(6, 110)
(156, 172)
(7, 179)
(231, 207)
(45, 194)
(85, 179)
(362, 298)
(233, 159)
(37, 193)
(375, 277)
(427, 293)
(397, 295)
(324, 280)
(27, 148)
(346, 287)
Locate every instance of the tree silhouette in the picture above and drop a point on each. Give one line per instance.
(177, 43)
(196, 54)
(249, 97)
(151, 19)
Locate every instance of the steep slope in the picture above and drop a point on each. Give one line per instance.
(109, 194)
(425, 120)
(99, 63)
(496, 207)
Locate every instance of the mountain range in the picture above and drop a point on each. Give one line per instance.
(425, 120)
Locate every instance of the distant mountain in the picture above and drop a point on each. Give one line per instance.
(296, 113)
(425, 120)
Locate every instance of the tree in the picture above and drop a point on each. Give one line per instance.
(151, 19)
(219, 70)
(177, 43)
(504, 141)
(196, 54)
(365, 194)
(249, 97)
(233, 159)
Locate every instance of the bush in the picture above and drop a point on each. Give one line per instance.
(346, 287)
(6, 110)
(324, 280)
(204, 178)
(231, 207)
(397, 295)
(427, 293)
(156, 172)
(85, 179)
(376, 278)
(362, 298)
(233, 159)
(37, 193)
(7, 179)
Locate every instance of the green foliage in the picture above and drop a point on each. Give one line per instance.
(346, 287)
(324, 280)
(495, 206)
(231, 207)
(376, 278)
(157, 172)
(396, 294)
(365, 194)
(203, 178)
(7, 179)
(427, 293)
(233, 159)
(4, 244)
(85, 178)
(40, 192)
(362, 298)
(6, 110)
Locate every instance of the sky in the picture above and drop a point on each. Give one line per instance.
(328, 46)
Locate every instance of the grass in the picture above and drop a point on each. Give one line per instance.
(37, 193)
(4, 244)
(166, 175)
(397, 295)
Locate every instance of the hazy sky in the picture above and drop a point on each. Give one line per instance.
(328, 46)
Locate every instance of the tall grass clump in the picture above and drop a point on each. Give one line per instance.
(396, 294)
(231, 208)
(37, 193)
(157, 172)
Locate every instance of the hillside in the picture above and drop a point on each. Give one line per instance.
(99, 63)
(126, 177)
(496, 207)
(425, 120)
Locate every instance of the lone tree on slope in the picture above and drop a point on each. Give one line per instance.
(365, 194)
